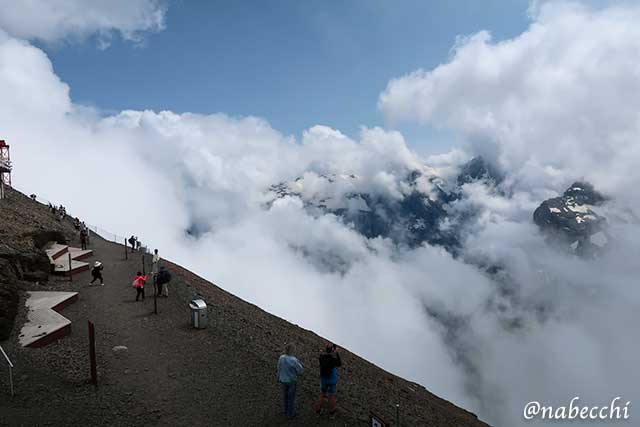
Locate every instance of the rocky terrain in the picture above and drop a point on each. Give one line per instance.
(572, 219)
(25, 228)
(154, 369)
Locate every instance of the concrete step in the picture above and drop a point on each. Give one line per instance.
(55, 251)
(78, 254)
(44, 324)
(59, 257)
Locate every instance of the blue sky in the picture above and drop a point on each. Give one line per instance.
(295, 63)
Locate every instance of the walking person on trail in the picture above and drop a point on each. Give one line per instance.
(139, 283)
(155, 262)
(84, 227)
(132, 242)
(96, 273)
(83, 239)
(162, 282)
(329, 364)
(289, 367)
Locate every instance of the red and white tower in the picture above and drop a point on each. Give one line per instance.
(5, 167)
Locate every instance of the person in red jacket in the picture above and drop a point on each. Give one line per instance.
(139, 283)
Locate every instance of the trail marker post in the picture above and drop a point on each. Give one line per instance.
(70, 269)
(10, 370)
(155, 294)
(92, 354)
(125, 249)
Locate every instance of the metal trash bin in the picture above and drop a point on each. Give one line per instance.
(198, 313)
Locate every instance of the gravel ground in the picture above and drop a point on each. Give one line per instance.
(173, 375)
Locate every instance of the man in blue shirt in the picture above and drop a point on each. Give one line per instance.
(289, 367)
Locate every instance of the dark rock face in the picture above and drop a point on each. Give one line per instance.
(571, 219)
(478, 169)
(411, 220)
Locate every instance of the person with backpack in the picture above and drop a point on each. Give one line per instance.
(96, 273)
(329, 364)
(139, 283)
(132, 242)
(84, 227)
(162, 282)
(289, 367)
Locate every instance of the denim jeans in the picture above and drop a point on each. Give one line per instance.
(289, 394)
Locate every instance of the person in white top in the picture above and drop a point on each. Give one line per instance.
(155, 262)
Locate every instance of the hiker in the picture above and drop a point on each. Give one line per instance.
(329, 364)
(76, 223)
(289, 367)
(84, 227)
(155, 262)
(132, 242)
(96, 273)
(139, 283)
(83, 239)
(137, 244)
(162, 282)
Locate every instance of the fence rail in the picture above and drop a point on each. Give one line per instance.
(10, 369)
(105, 234)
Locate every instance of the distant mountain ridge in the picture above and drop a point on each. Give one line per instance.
(572, 219)
(414, 217)
(423, 212)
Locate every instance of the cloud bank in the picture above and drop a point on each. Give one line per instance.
(549, 106)
(57, 20)
(545, 105)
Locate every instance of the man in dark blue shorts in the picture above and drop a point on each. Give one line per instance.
(329, 364)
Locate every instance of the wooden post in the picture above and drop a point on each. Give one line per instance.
(70, 269)
(125, 249)
(143, 269)
(92, 354)
(155, 295)
(398, 414)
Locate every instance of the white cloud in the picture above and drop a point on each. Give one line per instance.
(550, 104)
(56, 20)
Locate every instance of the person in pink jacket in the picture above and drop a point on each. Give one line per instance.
(139, 283)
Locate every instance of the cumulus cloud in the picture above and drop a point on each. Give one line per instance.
(57, 20)
(548, 104)
(507, 321)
